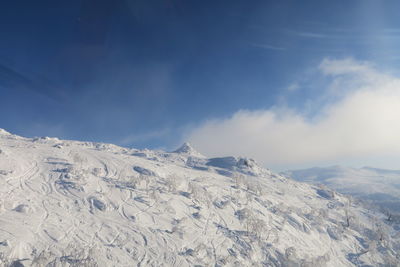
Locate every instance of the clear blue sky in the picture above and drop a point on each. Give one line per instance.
(140, 73)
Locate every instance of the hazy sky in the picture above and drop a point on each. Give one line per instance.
(290, 83)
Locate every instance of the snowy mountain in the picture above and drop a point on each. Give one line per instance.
(69, 203)
(378, 186)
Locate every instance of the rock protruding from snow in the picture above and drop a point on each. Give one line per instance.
(187, 149)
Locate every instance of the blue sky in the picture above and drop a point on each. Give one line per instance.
(146, 73)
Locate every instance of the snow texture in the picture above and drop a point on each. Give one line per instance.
(69, 203)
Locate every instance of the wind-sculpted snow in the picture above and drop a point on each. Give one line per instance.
(67, 203)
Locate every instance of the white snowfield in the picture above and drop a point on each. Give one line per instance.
(69, 203)
(378, 186)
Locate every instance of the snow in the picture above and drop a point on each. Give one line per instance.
(4, 132)
(70, 203)
(378, 186)
(187, 149)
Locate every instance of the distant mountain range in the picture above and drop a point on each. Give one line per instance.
(378, 186)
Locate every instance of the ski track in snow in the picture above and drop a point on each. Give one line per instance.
(90, 204)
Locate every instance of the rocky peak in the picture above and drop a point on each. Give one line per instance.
(187, 149)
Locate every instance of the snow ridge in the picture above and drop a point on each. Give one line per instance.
(4, 132)
(69, 203)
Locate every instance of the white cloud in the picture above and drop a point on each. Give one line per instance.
(363, 123)
(293, 87)
(345, 66)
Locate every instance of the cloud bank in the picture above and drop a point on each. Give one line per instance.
(363, 122)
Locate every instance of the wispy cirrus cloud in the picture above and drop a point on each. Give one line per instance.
(143, 137)
(312, 35)
(267, 46)
(16, 80)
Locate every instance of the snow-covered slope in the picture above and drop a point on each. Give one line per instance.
(68, 203)
(378, 186)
